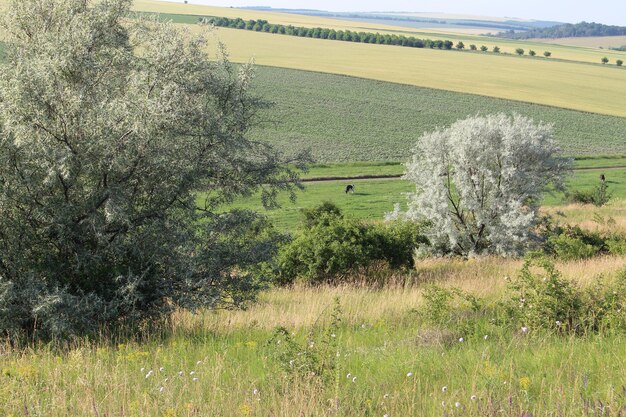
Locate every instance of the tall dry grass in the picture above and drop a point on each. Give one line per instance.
(302, 305)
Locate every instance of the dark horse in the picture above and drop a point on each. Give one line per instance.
(349, 188)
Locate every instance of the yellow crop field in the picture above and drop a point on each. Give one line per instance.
(591, 41)
(593, 88)
(571, 53)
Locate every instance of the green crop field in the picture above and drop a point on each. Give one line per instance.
(352, 119)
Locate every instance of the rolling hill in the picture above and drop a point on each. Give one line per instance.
(351, 119)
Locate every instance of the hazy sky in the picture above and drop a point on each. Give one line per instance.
(611, 12)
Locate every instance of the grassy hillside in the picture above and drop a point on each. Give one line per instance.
(352, 119)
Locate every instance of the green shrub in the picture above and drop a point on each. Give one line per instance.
(333, 246)
(313, 358)
(598, 196)
(330, 246)
(444, 306)
(616, 245)
(544, 300)
(395, 242)
(323, 212)
(571, 248)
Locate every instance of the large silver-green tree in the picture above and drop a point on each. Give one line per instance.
(479, 183)
(110, 126)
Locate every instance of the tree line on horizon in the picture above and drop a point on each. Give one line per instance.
(567, 30)
(261, 25)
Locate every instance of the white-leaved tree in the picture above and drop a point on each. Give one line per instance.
(111, 124)
(480, 181)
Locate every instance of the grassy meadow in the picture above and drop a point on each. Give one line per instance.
(375, 197)
(383, 360)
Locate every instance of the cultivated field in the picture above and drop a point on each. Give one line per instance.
(591, 41)
(593, 88)
(508, 46)
(344, 119)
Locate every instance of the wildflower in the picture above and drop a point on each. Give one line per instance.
(386, 415)
(194, 379)
(409, 375)
(486, 337)
(457, 404)
(180, 373)
(255, 392)
(311, 344)
(558, 323)
(291, 362)
(198, 363)
(354, 379)
(443, 403)
(444, 389)
(524, 382)
(473, 398)
(192, 373)
(149, 374)
(349, 376)
(161, 369)
(461, 340)
(161, 389)
(386, 396)
(524, 329)
(362, 326)
(142, 369)
(332, 335)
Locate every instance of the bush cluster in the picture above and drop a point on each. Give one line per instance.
(330, 245)
(573, 243)
(544, 300)
(538, 300)
(598, 196)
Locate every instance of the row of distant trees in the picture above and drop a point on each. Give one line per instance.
(567, 30)
(325, 33)
(347, 35)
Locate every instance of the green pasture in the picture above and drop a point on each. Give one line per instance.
(347, 119)
(375, 197)
(364, 169)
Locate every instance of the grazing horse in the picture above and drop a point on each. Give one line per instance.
(349, 188)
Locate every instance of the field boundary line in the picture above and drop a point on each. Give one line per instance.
(395, 176)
